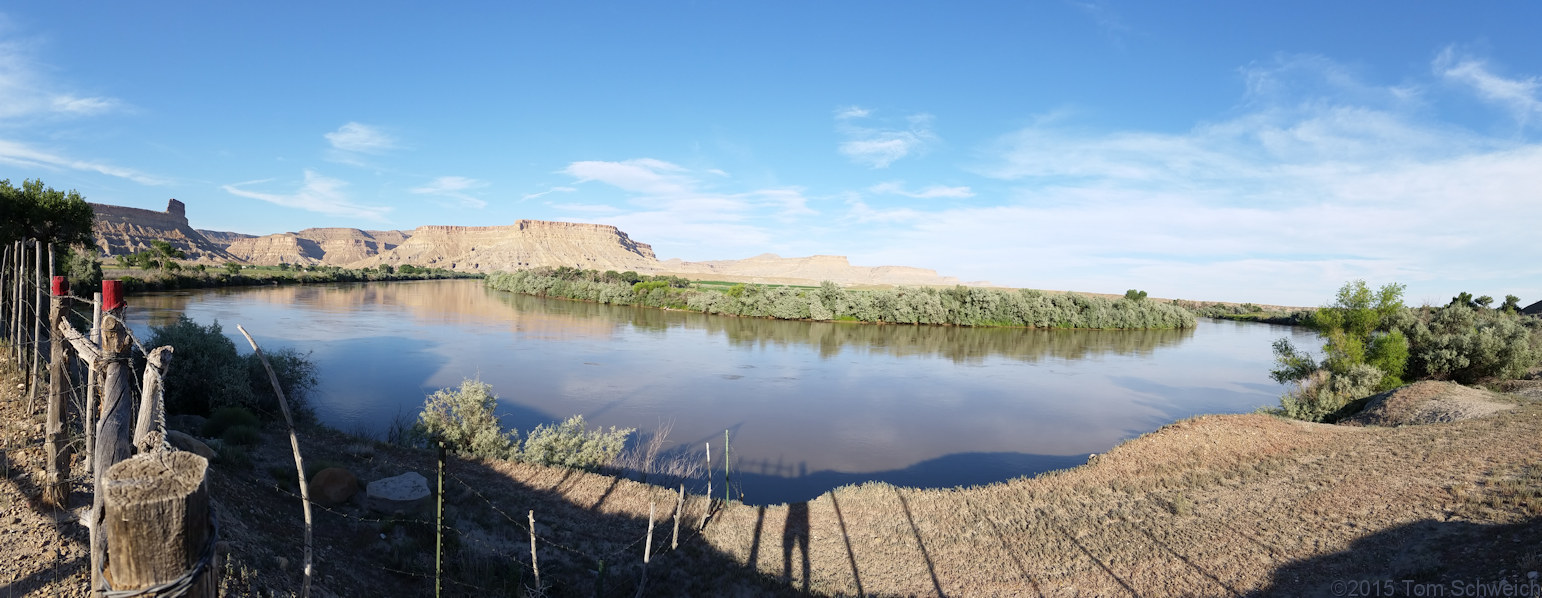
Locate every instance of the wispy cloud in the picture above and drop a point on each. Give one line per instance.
(25, 156)
(1519, 96)
(454, 187)
(355, 137)
(1281, 202)
(676, 209)
(930, 192)
(316, 194)
(26, 93)
(878, 146)
(537, 195)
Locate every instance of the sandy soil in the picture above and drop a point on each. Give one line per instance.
(1215, 505)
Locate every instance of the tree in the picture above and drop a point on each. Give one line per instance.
(164, 255)
(1484, 301)
(1134, 295)
(33, 211)
(232, 268)
(1364, 352)
(1464, 298)
(1511, 305)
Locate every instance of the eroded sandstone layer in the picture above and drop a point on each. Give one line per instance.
(329, 246)
(122, 230)
(524, 244)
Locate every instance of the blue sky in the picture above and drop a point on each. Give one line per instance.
(1227, 150)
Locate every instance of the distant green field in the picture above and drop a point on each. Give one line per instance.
(721, 285)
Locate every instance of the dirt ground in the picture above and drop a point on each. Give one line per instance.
(1210, 506)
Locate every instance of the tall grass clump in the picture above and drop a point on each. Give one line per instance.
(464, 419)
(957, 306)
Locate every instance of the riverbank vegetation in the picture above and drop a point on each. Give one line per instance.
(957, 306)
(141, 274)
(207, 374)
(463, 419)
(1374, 343)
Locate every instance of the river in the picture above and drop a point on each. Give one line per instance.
(809, 405)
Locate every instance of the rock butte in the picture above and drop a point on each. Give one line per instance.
(523, 245)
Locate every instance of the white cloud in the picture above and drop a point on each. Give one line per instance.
(550, 191)
(360, 138)
(1281, 203)
(677, 210)
(25, 93)
(20, 154)
(931, 192)
(1519, 96)
(317, 194)
(454, 187)
(879, 147)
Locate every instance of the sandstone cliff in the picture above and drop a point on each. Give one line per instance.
(329, 246)
(223, 238)
(121, 231)
(525, 244)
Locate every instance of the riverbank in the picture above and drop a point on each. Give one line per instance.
(1234, 504)
(138, 281)
(957, 306)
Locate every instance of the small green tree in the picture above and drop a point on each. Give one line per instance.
(1361, 341)
(165, 255)
(232, 268)
(1511, 305)
(1484, 301)
(33, 211)
(1134, 295)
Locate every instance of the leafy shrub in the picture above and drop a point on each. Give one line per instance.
(571, 444)
(1323, 395)
(463, 419)
(225, 418)
(206, 373)
(241, 435)
(1468, 345)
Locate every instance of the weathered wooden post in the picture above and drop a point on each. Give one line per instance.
(112, 432)
(439, 528)
(92, 370)
(674, 540)
(534, 566)
(16, 344)
(5, 297)
(150, 429)
(37, 326)
(159, 526)
(56, 490)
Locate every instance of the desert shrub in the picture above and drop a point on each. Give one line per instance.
(463, 419)
(1467, 345)
(205, 371)
(241, 435)
(225, 418)
(571, 444)
(1323, 394)
(296, 376)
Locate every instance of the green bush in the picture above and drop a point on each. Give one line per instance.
(1468, 344)
(1323, 395)
(206, 373)
(225, 418)
(571, 444)
(463, 419)
(241, 435)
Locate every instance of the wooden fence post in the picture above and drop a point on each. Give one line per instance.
(534, 567)
(93, 370)
(5, 298)
(439, 527)
(37, 326)
(674, 541)
(159, 525)
(152, 401)
(112, 432)
(56, 490)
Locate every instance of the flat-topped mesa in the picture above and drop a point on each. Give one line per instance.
(328, 246)
(122, 230)
(522, 245)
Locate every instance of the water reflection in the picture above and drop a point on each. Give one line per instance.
(811, 404)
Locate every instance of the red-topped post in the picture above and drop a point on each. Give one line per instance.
(113, 442)
(56, 493)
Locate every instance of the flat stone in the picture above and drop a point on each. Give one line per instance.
(404, 493)
(184, 442)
